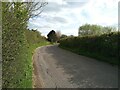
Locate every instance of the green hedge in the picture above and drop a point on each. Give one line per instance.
(104, 47)
(18, 44)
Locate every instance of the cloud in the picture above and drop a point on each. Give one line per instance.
(55, 19)
(60, 19)
(57, 6)
(69, 16)
(52, 7)
(73, 4)
(45, 26)
(102, 11)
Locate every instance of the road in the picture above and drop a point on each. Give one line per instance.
(58, 68)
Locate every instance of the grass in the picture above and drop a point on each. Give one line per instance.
(110, 60)
(27, 81)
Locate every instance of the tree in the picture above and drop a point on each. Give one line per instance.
(52, 37)
(88, 29)
(108, 29)
(71, 35)
(35, 8)
(15, 17)
(93, 29)
(84, 30)
(63, 36)
(58, 34)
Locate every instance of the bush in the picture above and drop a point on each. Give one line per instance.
(17, 42)
(105, 46)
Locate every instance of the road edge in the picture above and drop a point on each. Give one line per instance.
(34, 77)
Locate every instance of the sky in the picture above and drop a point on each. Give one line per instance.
(67, 16)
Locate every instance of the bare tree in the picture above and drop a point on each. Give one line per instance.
(58, 34)
(35, 8)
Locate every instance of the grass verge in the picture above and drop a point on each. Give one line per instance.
(27, 82)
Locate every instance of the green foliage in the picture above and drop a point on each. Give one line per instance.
(17, 46)
(14, 51)
(36, 36)
(88, 29)
(104, 47)
(52, 37)
(63, 36)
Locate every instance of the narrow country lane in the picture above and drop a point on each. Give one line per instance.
(58, 68)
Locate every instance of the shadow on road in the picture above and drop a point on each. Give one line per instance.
(85, 72)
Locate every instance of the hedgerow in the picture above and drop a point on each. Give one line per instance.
(17, 46)
(104, 47)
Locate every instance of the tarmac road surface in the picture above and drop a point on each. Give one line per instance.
(54, 67)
